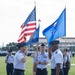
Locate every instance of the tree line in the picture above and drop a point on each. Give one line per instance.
(11, 45)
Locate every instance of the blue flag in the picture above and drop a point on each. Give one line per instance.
(34, 37)
(56, 29)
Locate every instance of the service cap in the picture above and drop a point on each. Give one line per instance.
(9, 50)
(42, 44)
(21, 44)
(54, 42)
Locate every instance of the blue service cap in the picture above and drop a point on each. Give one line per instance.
(9, 50)
(42, 44)
(54, 42)
(21, 44)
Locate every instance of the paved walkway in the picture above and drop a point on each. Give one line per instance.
(71, 64)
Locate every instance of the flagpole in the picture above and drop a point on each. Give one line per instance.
(38, 24)
(65, 36)
(37, 48)
(34, 4)
(37, 42)
(34, 65)
(65, 43)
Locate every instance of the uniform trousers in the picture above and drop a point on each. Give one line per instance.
(18, 72)
(66, 68)
(41, 71)
(53, 72)
(66, 71)
(9, 68)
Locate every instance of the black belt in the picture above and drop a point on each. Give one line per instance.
(54, 69)
(41, 69)
(19, 70)
(9, 63)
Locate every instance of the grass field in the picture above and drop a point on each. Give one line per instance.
(29, 66)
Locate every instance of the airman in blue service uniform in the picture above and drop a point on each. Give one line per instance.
(56, 56)
(41, 61)
(66, 62)
(20, 59)
(9, 63)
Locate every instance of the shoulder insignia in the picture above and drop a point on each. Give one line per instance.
(19, 51)
(56, 52)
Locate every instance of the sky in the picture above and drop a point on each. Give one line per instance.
(14, 12)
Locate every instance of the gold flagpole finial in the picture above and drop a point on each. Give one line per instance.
(34, 4)
(39, 22)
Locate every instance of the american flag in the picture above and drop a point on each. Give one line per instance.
(28, 27)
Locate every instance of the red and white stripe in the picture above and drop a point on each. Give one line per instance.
(27, 31)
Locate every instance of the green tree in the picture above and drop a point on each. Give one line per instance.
(11, 45)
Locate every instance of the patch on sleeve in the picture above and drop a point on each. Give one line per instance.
(56, 52)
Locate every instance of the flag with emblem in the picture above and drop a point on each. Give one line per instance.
(28, 27)
(56, 29)
(34, 37)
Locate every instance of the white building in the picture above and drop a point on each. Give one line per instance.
(68, 42)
